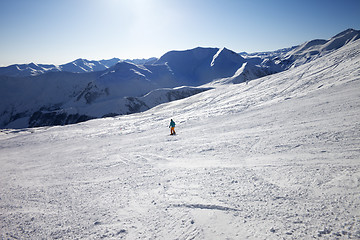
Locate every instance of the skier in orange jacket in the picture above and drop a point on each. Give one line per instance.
(172, 127)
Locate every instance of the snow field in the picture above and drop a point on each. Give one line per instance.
(277, 158)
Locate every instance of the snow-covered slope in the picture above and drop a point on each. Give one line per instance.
(277, 158)
(245, 73)
(78, 112)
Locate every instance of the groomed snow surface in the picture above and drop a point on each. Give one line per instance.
(277, 158)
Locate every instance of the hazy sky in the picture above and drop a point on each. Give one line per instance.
(60, 31)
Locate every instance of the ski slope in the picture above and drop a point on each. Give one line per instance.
(277, 158)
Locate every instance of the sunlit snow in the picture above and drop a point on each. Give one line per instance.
(277, 158)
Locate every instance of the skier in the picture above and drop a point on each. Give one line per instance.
(172, 127)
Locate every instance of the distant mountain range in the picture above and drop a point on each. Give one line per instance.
(78, 66)
(41, 95)
(308, 51)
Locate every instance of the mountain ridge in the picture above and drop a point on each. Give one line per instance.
(80, 94)
(79, 65)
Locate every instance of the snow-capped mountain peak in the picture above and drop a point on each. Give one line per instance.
(226, 57)
(317, 48)
(341, 40)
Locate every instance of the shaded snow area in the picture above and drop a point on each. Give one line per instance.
(277, 158)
